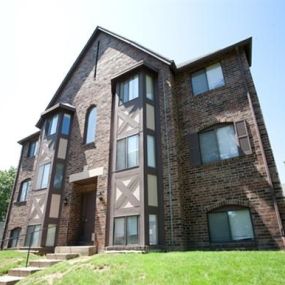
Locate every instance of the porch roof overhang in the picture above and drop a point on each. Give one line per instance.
(86, 175)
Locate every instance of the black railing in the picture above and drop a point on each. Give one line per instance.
(6, 242)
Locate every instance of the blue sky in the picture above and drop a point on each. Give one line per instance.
(41, 39)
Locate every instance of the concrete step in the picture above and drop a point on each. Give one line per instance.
(61, 256)
(23, 271)
(81, 250)
(43, 262)
(9, 280)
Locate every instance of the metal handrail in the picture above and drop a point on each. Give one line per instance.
(30, 242)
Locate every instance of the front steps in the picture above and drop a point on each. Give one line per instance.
(61, 253)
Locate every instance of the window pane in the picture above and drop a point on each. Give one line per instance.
(51, 235)
(91, 126)
(32, 149)
(14, 237)
(219, 227)
(152, 229)
(39, 178)
(43, 176)
(134, 88)
(133, 149)
(208, 146)
(121, 154)
(227, 142)
(119, 231)
(151, 151)
(240, 223)
(215, 76)
(65, 124)
(32, 237)
(132, 230)
(52, 125)
(24, 191)
(36, 236)
(58, 178)
(149, 87)
(199, 82)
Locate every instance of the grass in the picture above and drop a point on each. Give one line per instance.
(236, 267)
(11, 259)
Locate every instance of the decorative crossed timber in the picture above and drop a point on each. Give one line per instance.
(127, 192)
(37, 209)
(127, 121)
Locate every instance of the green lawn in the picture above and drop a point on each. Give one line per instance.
(267, 267)
(11, 259)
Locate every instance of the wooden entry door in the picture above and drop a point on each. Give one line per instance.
(87, 217)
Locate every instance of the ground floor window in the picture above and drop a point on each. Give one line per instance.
(152, 229)
(33, 235)
(14, 237)
(230, 225)
(126, 230)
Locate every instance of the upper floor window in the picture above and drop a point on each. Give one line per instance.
(24, 190)
(207, 79)
(51, 125)
(129, 89)
(218, 143)
(149, 87)
(65, 127)
(43, 176)
(32, 149)
(90, 131)
(127, 152)
(14, 238)
(230, 225)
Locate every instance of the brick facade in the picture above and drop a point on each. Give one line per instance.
(187, 192)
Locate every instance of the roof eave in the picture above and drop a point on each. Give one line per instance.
(28, 138)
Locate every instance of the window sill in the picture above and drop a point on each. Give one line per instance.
(208, 92)
(126, 169)
(20, 203)
(89, 145)
(41, 189)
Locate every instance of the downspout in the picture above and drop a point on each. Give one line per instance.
(11, 199)
(168, 163)
(268, 175)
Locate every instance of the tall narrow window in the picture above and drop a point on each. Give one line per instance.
(51, 125)
(24, 190)
(58, 177)
(149, 87)
(151, 151)
(129, 89)
(43, 176)
(32, 149)
(14, 238)
(90, 132)
(127, 152)
(65, 128)
(152, 229)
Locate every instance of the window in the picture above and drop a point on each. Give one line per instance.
(152, 229)
(43, 176)
(151, 151)
(149, 87)
(51, 125)
(207, 79)
(127, 152)
(218, 144)
(90, 132)
(33, 235)
(126, 230)
(24, 190)
(32, 149)
(58, 177)
(230, 225)
(65, 128)
(14, 237)
(129, 89)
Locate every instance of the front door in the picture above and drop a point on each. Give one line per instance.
(87, 218)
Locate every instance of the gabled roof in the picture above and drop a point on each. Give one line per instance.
(246, 44)
(89, 43)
